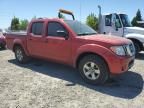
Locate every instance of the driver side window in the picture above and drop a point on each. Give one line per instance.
(53, 27)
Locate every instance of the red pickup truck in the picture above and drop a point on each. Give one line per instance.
(73, 43)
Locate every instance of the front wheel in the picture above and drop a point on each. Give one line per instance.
(93, 69)
(20, 55)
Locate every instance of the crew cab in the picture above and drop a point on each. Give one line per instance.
(70, 42)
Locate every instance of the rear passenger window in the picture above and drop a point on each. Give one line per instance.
(108, 20)
(53, 27)
(37, 28)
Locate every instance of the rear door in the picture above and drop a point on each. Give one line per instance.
(57, 47)
(35, 42)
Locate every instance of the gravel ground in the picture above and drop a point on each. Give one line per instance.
(41, 84)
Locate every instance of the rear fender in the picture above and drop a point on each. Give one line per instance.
(22, 44)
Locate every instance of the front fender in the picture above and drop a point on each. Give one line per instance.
(138, 37)
(90, 48)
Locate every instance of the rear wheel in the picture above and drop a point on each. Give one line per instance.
(20, 55)
(93, 69)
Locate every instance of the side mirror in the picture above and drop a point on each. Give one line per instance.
(63, 34)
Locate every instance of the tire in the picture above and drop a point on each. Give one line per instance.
(20, 55)
(95, 66)
(3, 47)
(137, 47)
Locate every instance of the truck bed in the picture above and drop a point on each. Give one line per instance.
(12, 37)
(20, 33)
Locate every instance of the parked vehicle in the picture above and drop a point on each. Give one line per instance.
(141, 23)
(2, 41)
(118, 24)
(73, 43)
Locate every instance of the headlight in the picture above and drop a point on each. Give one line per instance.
(119, 50)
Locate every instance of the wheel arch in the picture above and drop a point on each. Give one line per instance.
(82, 55)
(20, 45)
(136, 40)
(16, 45)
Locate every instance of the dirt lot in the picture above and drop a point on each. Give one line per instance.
(41, 84)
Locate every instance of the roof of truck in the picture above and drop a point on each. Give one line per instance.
(46, 19)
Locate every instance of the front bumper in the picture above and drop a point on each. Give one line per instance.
(118, 64)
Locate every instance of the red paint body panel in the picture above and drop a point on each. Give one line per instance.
(67, 51)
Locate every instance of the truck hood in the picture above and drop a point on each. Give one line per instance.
(106, 40)
(135, 30)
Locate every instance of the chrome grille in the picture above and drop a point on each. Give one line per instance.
(130, 49)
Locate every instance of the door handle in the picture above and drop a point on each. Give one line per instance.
(30, 38)
(46, 41)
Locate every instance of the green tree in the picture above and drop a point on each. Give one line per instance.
(15, 23)
(23, 24)
(92, 21)
(138, 17)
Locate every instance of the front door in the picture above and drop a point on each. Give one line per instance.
(57, 46)
(117, 28)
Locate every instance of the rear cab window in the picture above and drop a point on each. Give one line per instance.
(37, 28)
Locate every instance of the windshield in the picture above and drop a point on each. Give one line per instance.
(125, 20)
(79, 28)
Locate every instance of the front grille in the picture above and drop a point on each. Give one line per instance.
(129, 49)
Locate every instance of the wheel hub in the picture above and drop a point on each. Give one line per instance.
(19, 54)
(91, 70)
